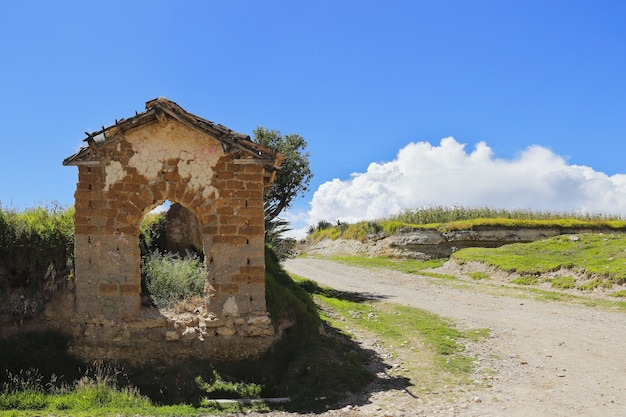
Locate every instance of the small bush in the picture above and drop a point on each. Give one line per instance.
(152, 233)
(323, 225)
(170, 278)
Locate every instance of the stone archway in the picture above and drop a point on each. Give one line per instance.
(163, 154)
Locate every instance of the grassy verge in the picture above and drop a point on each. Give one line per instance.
(425, 349)
(315, 369)
(480, 281)
(313, 366)
(465, 218)
(407, 266)
(600, 257)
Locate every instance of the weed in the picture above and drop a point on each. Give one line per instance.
(478, 275)
(564, 283)
(553, 296)
(477, 334)
(170, 278)
(619, 294)
(220, 388)
(590, 285)
(525, 280)
(97, 389)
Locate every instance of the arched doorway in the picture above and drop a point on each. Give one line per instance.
(164, 154)
(173, 270)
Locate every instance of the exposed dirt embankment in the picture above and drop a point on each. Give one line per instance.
(432, 243)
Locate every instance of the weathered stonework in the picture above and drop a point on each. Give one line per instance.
(132, 167)
(428, 243)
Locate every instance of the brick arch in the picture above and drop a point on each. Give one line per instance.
(169, 154)
(143, 198)
(108, 214)
(207, 239)
(127, 169)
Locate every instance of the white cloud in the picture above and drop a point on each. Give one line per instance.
(297, 223)
(445, 175)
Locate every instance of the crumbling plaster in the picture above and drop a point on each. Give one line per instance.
(128, 169)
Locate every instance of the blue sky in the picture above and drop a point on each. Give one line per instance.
(534, 90)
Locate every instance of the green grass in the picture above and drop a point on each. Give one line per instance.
(478, 275)
(36, 253)
(619, 294)
(402, 328)
(593, 284)
(526, 280)
(409, 266)
(314, 368)
(560, 283)
(466, 218)
(564, 283)
(441, 214)
(597, 255)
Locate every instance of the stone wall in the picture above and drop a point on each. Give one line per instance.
(152, 337)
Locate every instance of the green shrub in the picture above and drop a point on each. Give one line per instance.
(170, 278)
(152, 233)
(33, 239)
(36, 252)
(275, 228)
(323, 225)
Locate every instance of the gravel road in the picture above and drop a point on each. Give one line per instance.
(550, 359)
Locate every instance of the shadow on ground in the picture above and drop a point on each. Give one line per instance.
(313, 287)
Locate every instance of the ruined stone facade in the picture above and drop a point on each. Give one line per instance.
(132, 167)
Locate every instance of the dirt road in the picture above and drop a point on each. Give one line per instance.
(550, 359)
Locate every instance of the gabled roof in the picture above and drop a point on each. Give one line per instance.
(159, 110)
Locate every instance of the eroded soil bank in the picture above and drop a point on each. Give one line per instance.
(424, 243)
